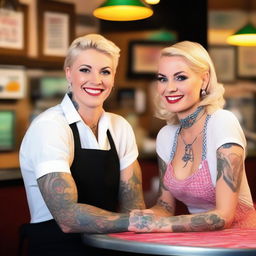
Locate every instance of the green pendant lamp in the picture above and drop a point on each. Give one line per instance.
(123, 10)
(245, 36)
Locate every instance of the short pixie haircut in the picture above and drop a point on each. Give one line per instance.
(199, 62)
(92, 41)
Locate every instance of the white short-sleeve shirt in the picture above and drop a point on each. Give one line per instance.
(223, 127)
(48, 147)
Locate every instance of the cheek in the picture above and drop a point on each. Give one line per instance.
(160, 88)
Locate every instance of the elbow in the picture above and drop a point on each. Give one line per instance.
(223, 222)
(66, 229)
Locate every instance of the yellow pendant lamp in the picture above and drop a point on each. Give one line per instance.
(152, 1)
(123, 10)
(245, 36)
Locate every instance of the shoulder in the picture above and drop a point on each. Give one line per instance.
(167, 131)
(49, 123)
(224, 127)
(223, 120)
(223, 115)
(52, 115)
(117, 122)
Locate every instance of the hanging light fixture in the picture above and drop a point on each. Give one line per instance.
(152, 1)
(123, 10)
(246, 36)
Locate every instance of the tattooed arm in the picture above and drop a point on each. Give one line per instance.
(165, 205)
(229, 174)
(131, 195)
(60, 194)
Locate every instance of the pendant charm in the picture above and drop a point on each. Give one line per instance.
(188, 156)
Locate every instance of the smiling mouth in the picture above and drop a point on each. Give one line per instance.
(93, 91)
(173, 99)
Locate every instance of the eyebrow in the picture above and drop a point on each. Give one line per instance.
(89, 66)
(175, 74)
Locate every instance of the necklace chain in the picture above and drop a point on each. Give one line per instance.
(191, 119)
(188, 155)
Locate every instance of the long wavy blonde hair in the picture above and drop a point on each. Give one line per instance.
(199, 62)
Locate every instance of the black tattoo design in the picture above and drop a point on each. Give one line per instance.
(131, 194)
(60, 195)
(202, 222)
(166, 206)
(230, 167)
(162, 169)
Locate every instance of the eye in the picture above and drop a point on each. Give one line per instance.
(181, 77)
(161, 79)
(84, 70)
(106, 72)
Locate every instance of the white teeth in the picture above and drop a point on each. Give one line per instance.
(93, 91)
(174, 98)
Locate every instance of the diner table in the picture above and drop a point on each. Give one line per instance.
(231, 242)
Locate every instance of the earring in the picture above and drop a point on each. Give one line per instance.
(203, 93)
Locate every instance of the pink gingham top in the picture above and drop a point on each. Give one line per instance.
(197, 191)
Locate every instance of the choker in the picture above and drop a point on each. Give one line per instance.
(191, 119)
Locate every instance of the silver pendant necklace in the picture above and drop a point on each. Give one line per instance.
(188, 154)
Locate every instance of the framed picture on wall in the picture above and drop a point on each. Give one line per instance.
(224, 60)
(13, 31)
(56, 28)
(246, 62)
(12, 82)
(142, 60)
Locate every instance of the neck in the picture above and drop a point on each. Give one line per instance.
(191, 119)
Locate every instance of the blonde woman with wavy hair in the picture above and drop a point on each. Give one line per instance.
(201, 150)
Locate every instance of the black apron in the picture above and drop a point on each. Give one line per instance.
(97, 176)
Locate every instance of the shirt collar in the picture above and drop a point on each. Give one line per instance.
(69, 110)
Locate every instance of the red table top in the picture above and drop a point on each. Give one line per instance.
(228, 238)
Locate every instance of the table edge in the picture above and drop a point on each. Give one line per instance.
(106, 242)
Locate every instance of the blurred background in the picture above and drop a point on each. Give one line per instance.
(34, 36)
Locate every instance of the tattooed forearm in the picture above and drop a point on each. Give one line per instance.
(60, 195)
(131, 196)
(201, 222)
(149, 222)
(230, 167)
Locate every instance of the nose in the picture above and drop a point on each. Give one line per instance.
(171, 86)
(96, 78)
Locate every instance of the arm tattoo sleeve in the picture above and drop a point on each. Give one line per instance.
(162, 169)
(230, 167)
(200, 222)
(131, 195)
(60, 195)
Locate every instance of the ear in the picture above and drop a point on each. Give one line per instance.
(205, 79)
(68, 74)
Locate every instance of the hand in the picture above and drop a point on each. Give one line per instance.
(141, 221)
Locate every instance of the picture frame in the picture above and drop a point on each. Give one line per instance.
(142, 58)
(246, 62)
(56, 29)
(14, 31)
(13, 82)
(224, 60)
